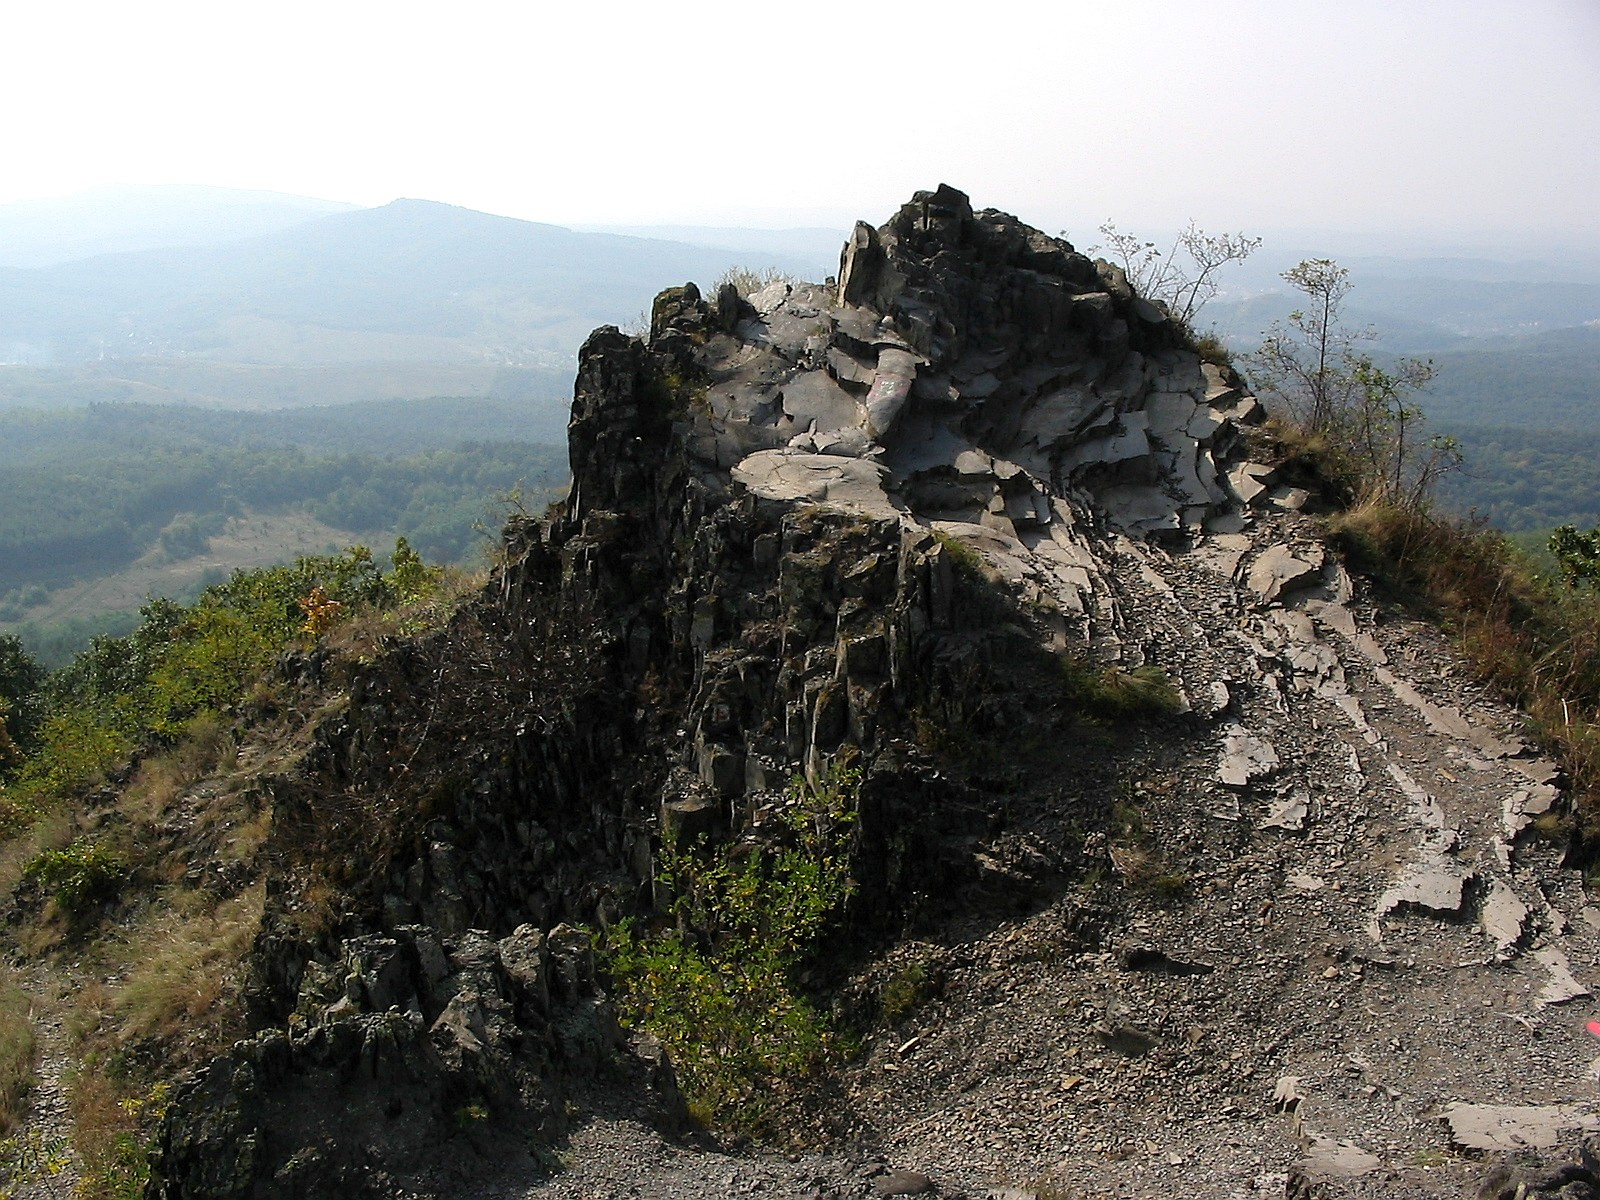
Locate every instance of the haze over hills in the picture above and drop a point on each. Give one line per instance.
(411, 299)
(119, 219)
(1419, 313)
(407, 368)
(1516, 347)
(818, 246)
(323, 304)
(426, 283)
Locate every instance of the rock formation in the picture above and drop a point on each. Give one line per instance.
(853, 520)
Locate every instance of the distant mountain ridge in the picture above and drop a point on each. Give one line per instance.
(121, 219)
(1419, 314)
(329, 304)
(360, 293)
(818, 244)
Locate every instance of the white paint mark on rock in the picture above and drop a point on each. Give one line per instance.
(1563, 985)
(1504, 916)
(1329, 1156)
(1289, 815)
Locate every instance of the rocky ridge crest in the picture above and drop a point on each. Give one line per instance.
(869, 519)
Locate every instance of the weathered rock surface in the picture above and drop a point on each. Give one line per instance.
(396, 1053)
(888, 520)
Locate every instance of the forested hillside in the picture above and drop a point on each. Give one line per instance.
(125, 474)
(1526, 411)
(91, 491)
(1524, 406)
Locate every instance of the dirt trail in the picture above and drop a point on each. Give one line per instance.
(1379, 973)
(50, 1170)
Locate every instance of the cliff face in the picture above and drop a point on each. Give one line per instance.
(767, 498)
(898, 521)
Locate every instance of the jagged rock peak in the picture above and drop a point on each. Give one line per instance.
(966, 374)
(873, 266)
(966, 368)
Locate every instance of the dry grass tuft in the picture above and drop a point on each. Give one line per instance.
(17, 1049)
(364, 636)
(1533, 639)
(163, 778)
(112, 1133)
(188, 968)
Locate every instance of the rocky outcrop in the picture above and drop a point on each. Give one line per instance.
(409, 1045)
(894, 521)
(766, 562)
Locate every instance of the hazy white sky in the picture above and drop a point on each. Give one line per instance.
(1437, 116)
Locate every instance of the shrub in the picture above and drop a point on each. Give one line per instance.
(79, 878)
(1311, 369)
(1212, 349)
(1577, 555)
(908, 989)
(717, 986)
(184, 662)
(20, 677)
(747, 281)
(1183, 278)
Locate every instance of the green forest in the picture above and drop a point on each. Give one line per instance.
(91, 490)
(1523, 410)
(88, 491)
(1526, 480)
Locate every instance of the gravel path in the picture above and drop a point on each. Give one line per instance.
(48, 1124)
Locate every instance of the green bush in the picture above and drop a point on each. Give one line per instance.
(183, 661)
(907, 990)
(79, 878)
(716, 983)
(1214, 350)
(1577, 555)
(33, 1161)
(114, 1141)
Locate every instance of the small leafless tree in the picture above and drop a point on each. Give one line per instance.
(1183, 277)
(1313, 371)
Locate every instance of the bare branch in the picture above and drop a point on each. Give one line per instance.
(1183, 278)
(1312, 370)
